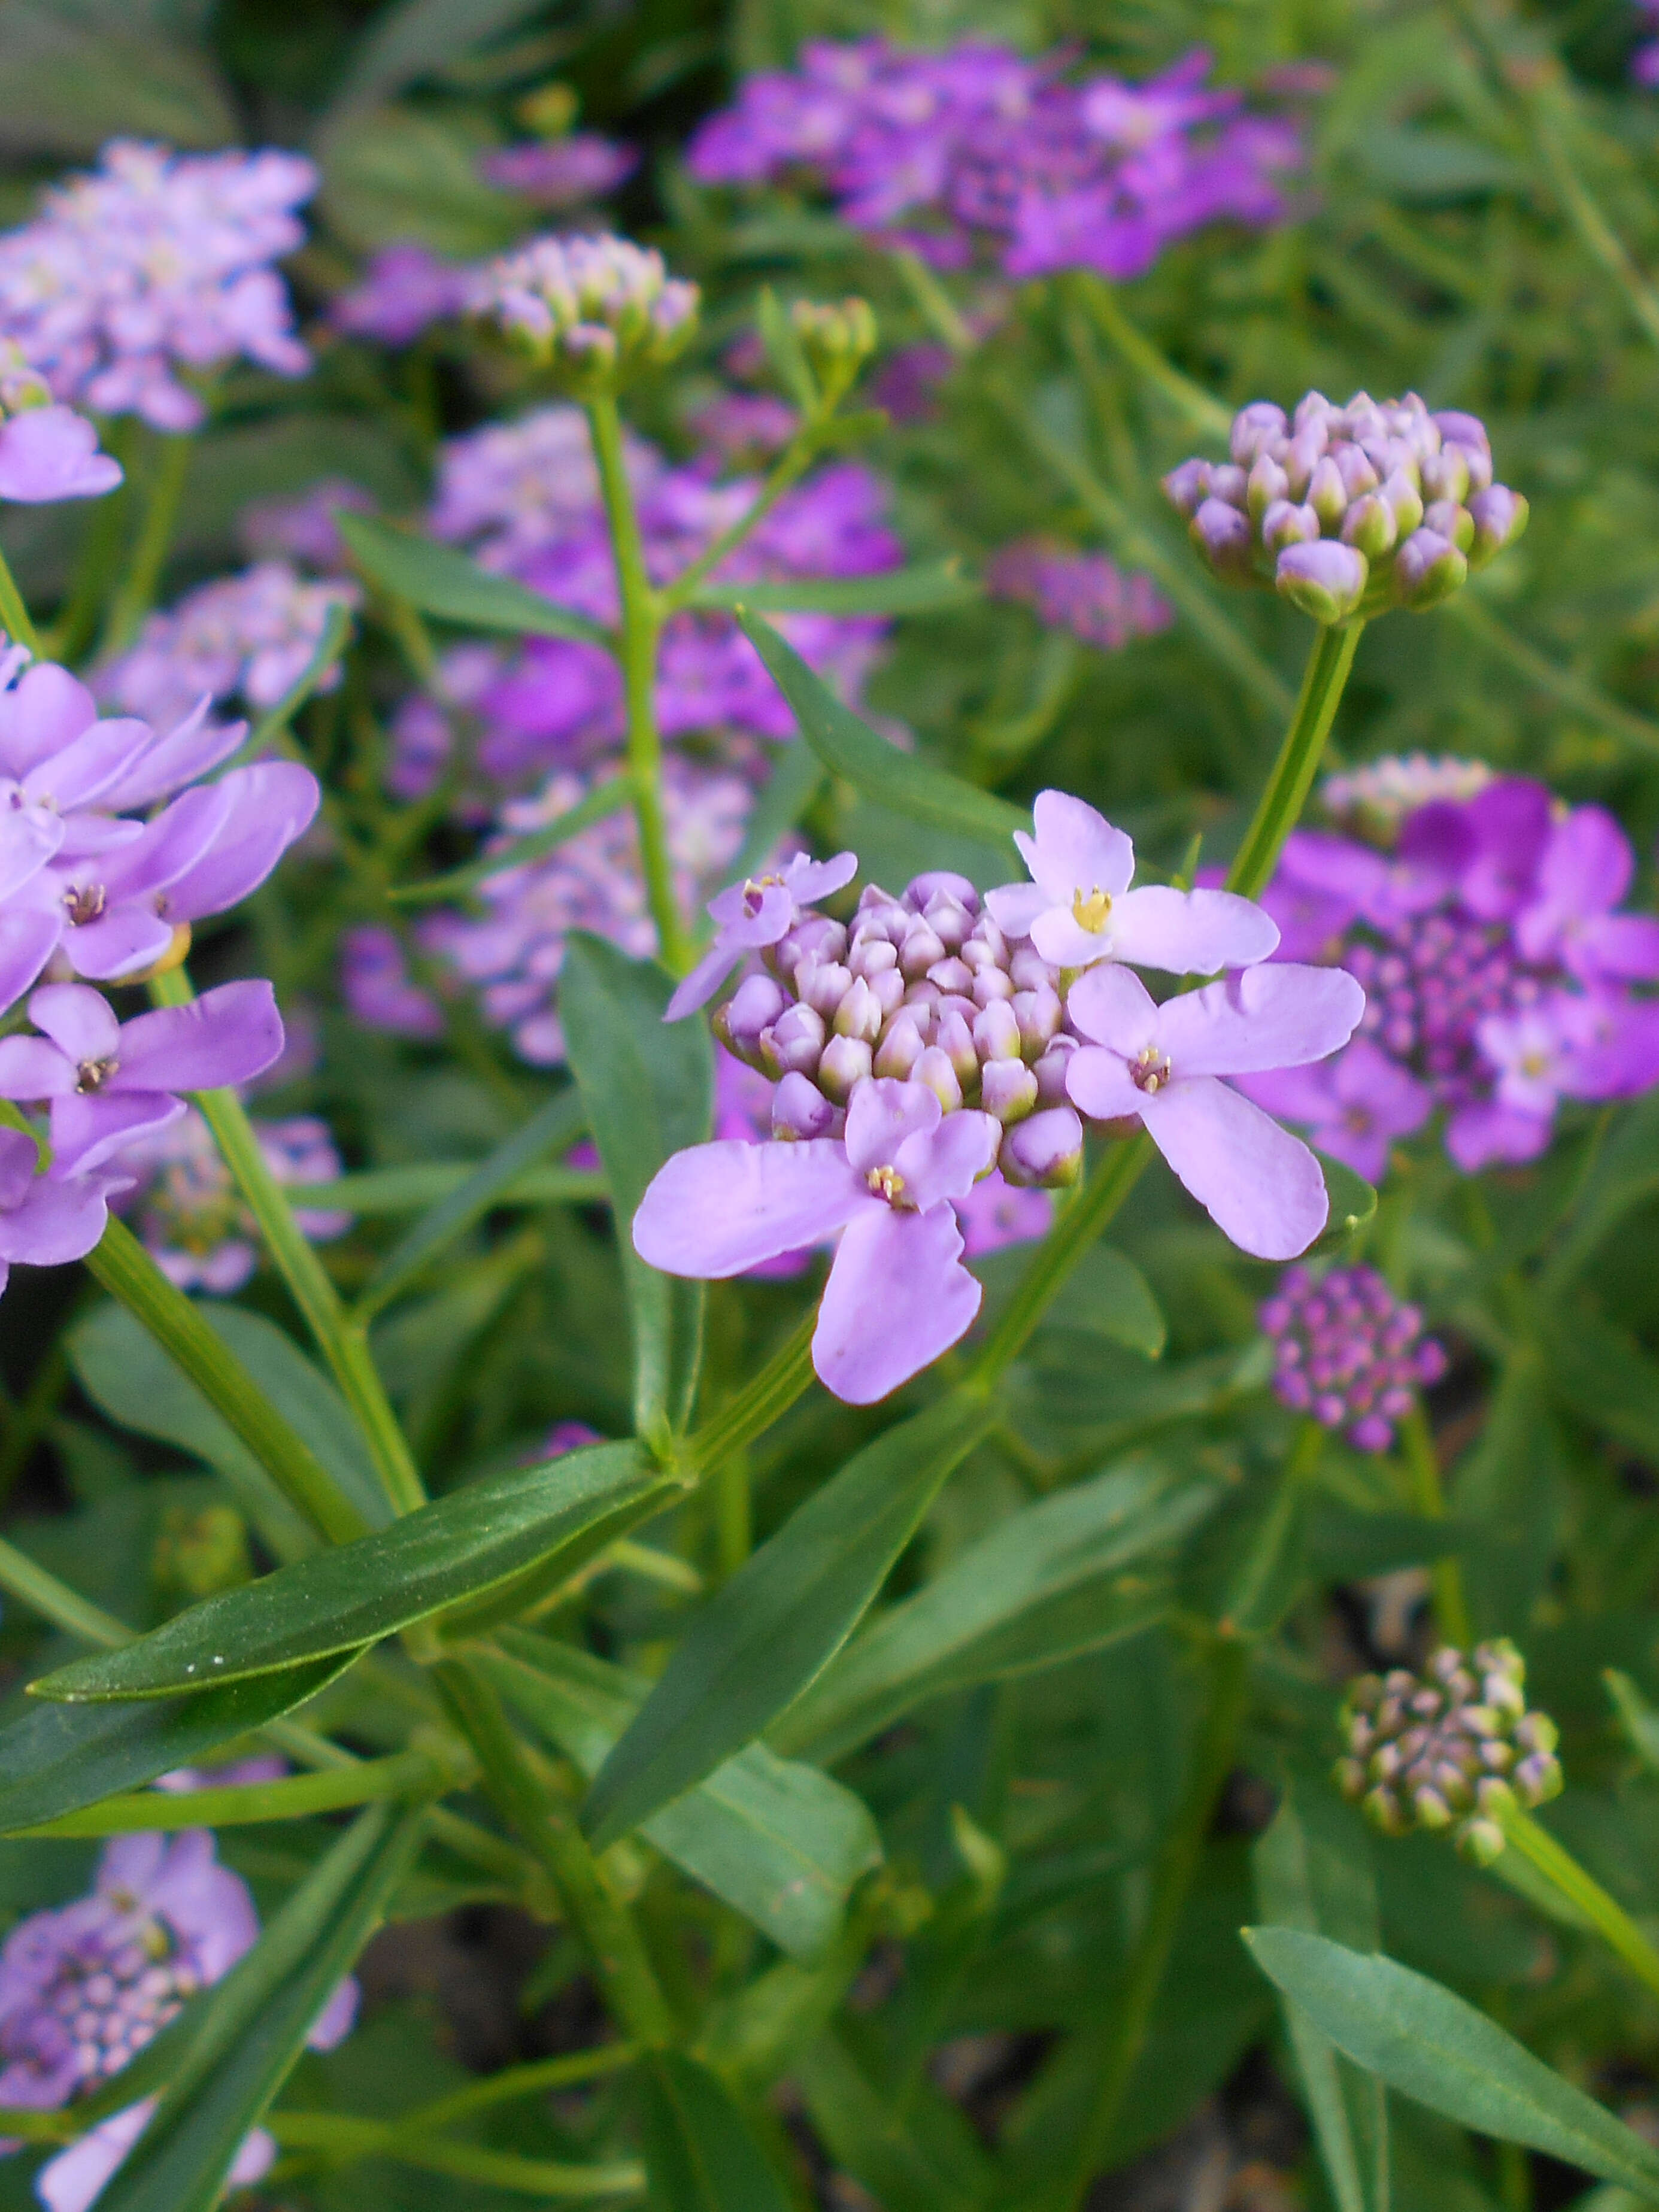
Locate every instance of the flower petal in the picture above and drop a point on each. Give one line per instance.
(79, 1022)
(126, 938)
(27, 939)
(1076, 850)
(697, 988)
(897, 1297)
(715, 1210)
(1110, 1006)
(33, 1067)
(89, 765)
(945, 1162)
(1259, 1184)
(1190, 932)
(28, 838)
(226, 1035)
(808, 880)
(1098, 1083)
(187, 751)
(272, 804)
(1279, 1015)
(1015, 907)
(47, 710)
(882, 1113)
(89, 1133)
(61, 1219)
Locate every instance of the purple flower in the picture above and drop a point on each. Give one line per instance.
(996, 1212)
(1162, 1065)
(1085, 593)
(49, 454)
(1353, 1105)
(897, 1296)
(1585, 871)
(108, 1082)
(593, 308)
(46, 1221)
(250, 636)
(1347, 1352)
(302, 527)
(757, 911)
(559, 173)
(404, 290)
(187, 1208)
(1079, 907)
(375, 984)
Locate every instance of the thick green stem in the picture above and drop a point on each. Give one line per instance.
(1451, 1610)
(14, 618)
(126, 1271)
(1249, 1609)
(342, 1343)
(137, 593)
(1293, 772)
(640, 623)
(1108, 1184)
(338, 2139)
(599, 1916)
(1581, 1890)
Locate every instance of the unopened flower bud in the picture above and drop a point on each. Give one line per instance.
(1404, 494)
(935, 1070)
(1007, 1090)
(754, 1006)
(951, 976)
(1229, 484)
(996, 1032)
(1050, 1069)
(949, 916)
(1029, 969)
(822, 985)
(991, 983)
(1455, 524)
(588, 308)
(1328, 494)
(1370, 526)
(1325, 581)
(836, 339)
(1039, 1014)
(1480, 1842)
(1301, 457)
(956, 1040)
(858, 1014)
(900, 1049)
(1187, 487)
(1500, 516)
(1358, 475)
(800, 1110)
(1284, 524)
(871, 955)
(1427, 568)
(1446, 475)
(793, 1042)
(1256, 429)
(1267, 483)
(846, 1061)
(922, 947)
(1222, 535)
(1044, 1152)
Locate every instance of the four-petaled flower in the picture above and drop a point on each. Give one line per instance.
(755, 914)
(1079, 907)
(897, 1295)
(1165, 1065)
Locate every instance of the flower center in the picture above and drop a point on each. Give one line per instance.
(1151, 1071)
(1090, 908)
(84, 903)
(888, 1184)
(93, 1074)
(755, 889)
(1535, 1063)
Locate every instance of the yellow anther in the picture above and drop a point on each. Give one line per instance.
(1090, 910)
(886, 1183)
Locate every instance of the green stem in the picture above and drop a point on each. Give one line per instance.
(1557, 1866)
(533, 2080)
(402, 1774)
(42, 1593)
(1109, 1183)
(338, 2139)
(938, 308)
(1300, 755)
(342, 1343)
(641, 623)
(598, 1915)
(96, 561)
(127, 1272)
(791, 465)
(14, 618)
(763, 1400)
(1248, 1608)
(1207, 415)
(1227, 1670)
(137, 593)
(1451, 1609)
(1507, 646)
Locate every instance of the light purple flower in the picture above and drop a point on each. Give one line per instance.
(377, 988)
(46, 1221)
(756, 913)
(108, 1082)
(1353, 1105)
(49, 454)
(559, 173)
(996, 1212)
(1584, 872)
(1347, 1352)
(404, 290)
(1162, 1065)
(187, 1209)
(897, 1296)
(250, 637)
(301, 526)
(1078, 907)
(1085, 593)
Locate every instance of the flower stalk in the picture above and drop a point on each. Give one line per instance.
(1323, 682)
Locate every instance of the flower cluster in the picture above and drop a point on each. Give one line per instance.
(1345, 510)
(154, 267)
(404, 291)
(1347, 1351)
(48, 451)
(1086, 593)
(1499, 977)
(559, 173)
(589, 308)
(185, 1205)
(937, 1035)
(249, 637)
(983, 146)
(1453, 1748)
(1644, 61)
(83, 1988)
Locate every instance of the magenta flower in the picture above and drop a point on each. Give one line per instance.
(754, 914)
(403, 289)
(1078, 907)
(1354, 1105)
(1585, 871)
(45, 1221)
(49, 454)
(897, 1295)
(1162, 1065)
(108, 1082)
(1348, 1353)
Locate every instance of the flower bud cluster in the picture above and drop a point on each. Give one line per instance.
(1453, 1748)
(1347, 1352)
(1348, 510)
(591, 308)
(836, 339)
(923, 987)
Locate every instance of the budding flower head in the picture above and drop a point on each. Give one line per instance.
(1453, 1747)
(837, 339)
(590, 309)
(1346, 511)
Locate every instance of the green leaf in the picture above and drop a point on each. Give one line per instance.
(307, 1399)
(771, 1630)
(1342, 1543)
(1353, 1200)
(699, 2152)
(69, 81)
(56, 1758)
(648, 1086)
(410, 40)
(555, 1125)
(852, 748)
(1045, 1583)
(1313, 1872)
(457, 1548)
(605, 799)
(780, 1842)
(1602, 1374)
(1430, 2045)
(784, 349)
(1106, 1295)
(1624, 1175)
(791, 788)
(408, 172)
(439, 580)
(252, 2027)
(921, 590)
(919, 2156)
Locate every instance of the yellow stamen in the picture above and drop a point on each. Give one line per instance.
(886, 1183)
(1090, 911)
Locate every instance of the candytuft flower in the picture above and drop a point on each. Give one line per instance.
(1086, 593)
(897, 1296)
(754, 913)
(46, 1221)
(592, 308)
(48, 451)
(1347, 1352)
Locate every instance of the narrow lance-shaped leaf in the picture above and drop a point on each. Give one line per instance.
(699, 2152)
(1430, 2045)
(852, 748)
(456, 1547)
(439, 580)
(925, 589)
(776, 1625)
(647, 1087)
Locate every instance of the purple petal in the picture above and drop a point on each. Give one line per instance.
(122, 942)
(89, 766)
(1325, 580)
(945, 1162)
(29, 838)
(1098, 1083)
(1015, 907)
(1479, 1135)
(186, 752)
(51, 454)
(808, 881)
(30, 1067)
(705, 978)
(272, 804)
(226, 1035)
(1279, 1015)
(48, 710)
(1111, 1006)
(173, 843)
(19, 1156)
(716, 1210)
(73, 2180)
(1190, 932)
(1621, 947)
(80, 1023)
(90, 1132)
(881, 1114)
(752, 915)
(1588, 863)
(897, 1298)
(1075, 849)
(27, 939)
(1259, 1185)
(60, 1219)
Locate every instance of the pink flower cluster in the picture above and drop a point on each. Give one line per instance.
(980, 146)
(153, 267)
(186, 1207)
(1086, 593)
(1500, 977)
(1347, 1352)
